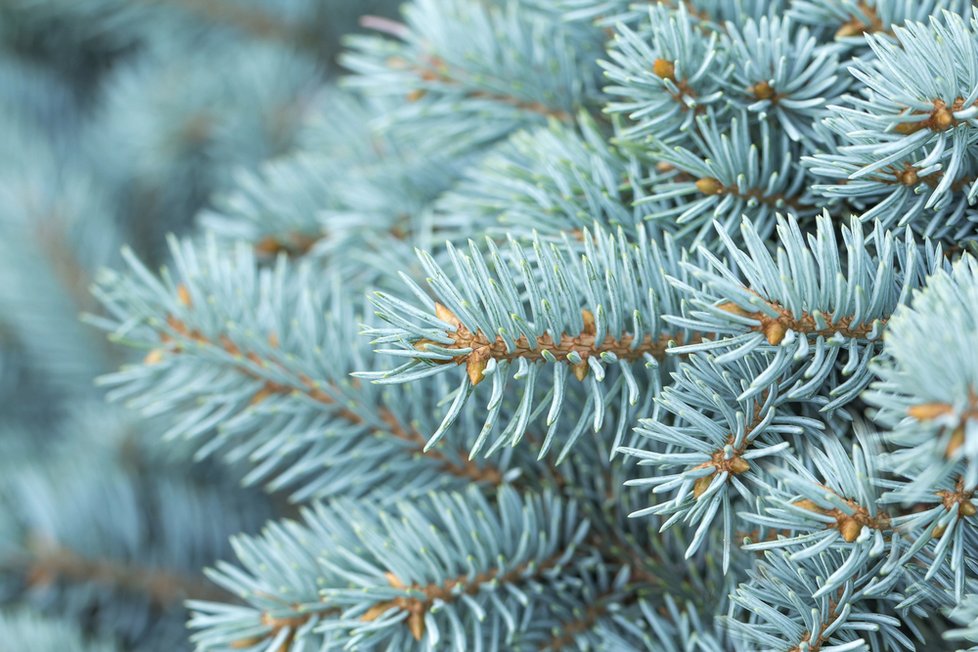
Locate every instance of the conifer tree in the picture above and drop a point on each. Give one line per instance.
(518, 325)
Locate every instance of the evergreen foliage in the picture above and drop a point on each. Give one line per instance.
(500, 325)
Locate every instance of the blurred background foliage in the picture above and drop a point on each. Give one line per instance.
(120, 121)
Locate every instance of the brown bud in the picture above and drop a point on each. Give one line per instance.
(806, 503)
(588, 317)
(702, 484)
(261, 395)
(775, 332)
(907, 128)
(908, 177)
(927, 411)
(709, 186)
(183, 295)
(763, 91)
(393, 580)
(734, 309)
(942, 119)
(153, 357)
(416, 624)
(738, 465)
(850, 529)
(956, 441)
(177, 325)
(268, 246)
(849, 29)
(967, 508)
(230, 346)
(938, 532)
(580, 371)
(664, 69)
(474, 367)
(446, 315)
(375, 612)
(416, 95)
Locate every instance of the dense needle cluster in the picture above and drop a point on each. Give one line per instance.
(540, 325)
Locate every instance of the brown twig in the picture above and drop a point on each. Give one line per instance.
(48, 562)
(584, 344)
(435, 69)
(713, 186)
(313, 389)
(775, 328)
(417, 607)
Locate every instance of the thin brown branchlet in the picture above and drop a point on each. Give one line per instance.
(480, 348)
(306, 386)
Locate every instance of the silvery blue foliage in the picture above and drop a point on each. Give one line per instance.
(810, 302)
(225, 338)
(847, 21)
(27, 630)
(550, 179)
(696, 252)
(663, 100)
(780, 70)
(167, 133)
(453, 597)
(466, 75)
(729, 172)
(709, 444)
(904, 141)
(102, 527)
(965, 615)
(613, 294)
(788, 608)
(925, 393)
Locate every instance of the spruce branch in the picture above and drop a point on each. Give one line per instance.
(711, 442)
(784, 606)
(613, 289)
(253, 20)
(913, 120)
(807, 304)
(779, 70)
(561, 583)
(551, 180)
(482, 72)
(595, 316)
(729, 170)
(455, 597)
(849, 22)
(926, 387)
(48, 562)
(308, 388)
(664, 98)
(349, 188)
(116, 550)
(244, 352)
(23, 629)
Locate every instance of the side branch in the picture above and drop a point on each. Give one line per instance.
(313, 389)
(436, 70)
(940, 118)
(47, 562)
(417, 607)
(775, 328)
(713, 186)
(572, 349)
